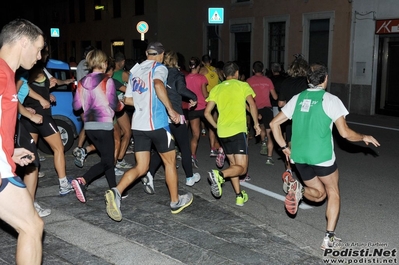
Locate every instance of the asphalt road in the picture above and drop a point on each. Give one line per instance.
(216, 231)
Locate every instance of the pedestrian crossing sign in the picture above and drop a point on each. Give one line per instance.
(55, 32)
(216, 15)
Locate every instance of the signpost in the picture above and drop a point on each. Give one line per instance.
(142, 28)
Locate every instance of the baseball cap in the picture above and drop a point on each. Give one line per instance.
(155, 48)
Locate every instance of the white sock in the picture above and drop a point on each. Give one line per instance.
(63, 181)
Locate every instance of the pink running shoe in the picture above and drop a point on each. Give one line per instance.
(287, 178)
(293, 197)
(220, 158)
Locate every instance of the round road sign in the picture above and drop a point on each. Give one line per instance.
(142, 27)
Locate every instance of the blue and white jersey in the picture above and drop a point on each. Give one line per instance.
(150, 113)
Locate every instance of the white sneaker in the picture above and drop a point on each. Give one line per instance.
(123, 164)
(42, 212)
(118, 172)
(194, 179)
(148, 182)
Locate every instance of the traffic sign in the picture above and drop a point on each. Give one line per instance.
(216, 15)
(55, 32)
(142, 27)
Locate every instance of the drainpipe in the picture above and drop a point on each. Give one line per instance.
(353, 29)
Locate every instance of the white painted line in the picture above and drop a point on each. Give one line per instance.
(375, 126)
(272, 194)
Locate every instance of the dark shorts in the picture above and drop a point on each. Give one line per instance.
(195, 114)
(162, 140)
(267, 116)
(47, 128)
(119, 114)
(309, 172)
(25, 140)
(16, 181)
(236, 144)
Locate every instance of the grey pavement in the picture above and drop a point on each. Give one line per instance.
(210, 231)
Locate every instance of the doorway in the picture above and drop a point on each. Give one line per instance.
(388, 79)
(243, 52)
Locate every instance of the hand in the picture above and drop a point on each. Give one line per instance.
(287, 153)
(192, 103)
(21, 152)
(174, 116)
(257, 129)
(53, 82)
(370, 139)
(37, 118)
(52, 98)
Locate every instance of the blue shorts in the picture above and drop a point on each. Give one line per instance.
(16, 181)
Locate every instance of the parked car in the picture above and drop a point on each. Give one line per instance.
(68, 121)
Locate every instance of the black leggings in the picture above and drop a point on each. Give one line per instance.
(180, 133)
(104, 142)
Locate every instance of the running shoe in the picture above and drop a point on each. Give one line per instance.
(113, 204)
(293, 197)
(287, 178)
(331, 243)
(269, 161)
(66, 188)
(220, 158)
(194, 161)
(203, 132)
(241, 198)
(130, 149)
(123, 164)
(118, 172)
(263, 148)
(216, 183)
(246, 178)
(80, 189)
(185, 200)
(192, 180)
(42, 212)
(41, 174)
(148, 182)
(41, 157)
(214, 153)
(80, 156)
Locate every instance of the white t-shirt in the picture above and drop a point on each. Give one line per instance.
(150, 113)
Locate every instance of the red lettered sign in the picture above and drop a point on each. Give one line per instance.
(387, 26)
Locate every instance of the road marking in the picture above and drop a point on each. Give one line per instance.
(375, 126)
(272, 194)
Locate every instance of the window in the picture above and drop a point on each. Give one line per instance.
(319, 31)
(71, 11)
(276, 43)
(139, 7)
(117, 8)
(97, 11)
(82, 10)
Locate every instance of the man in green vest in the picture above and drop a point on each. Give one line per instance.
(313, 113)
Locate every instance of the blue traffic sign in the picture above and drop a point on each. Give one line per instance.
(216, 15)
(142, 27)
(55, 32)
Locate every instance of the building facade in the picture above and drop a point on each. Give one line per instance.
(357, 39)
